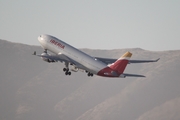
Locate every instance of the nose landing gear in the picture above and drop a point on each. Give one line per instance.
(66, 69)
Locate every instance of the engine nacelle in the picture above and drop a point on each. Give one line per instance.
(46, 59)
(122, 76)
(74, 69)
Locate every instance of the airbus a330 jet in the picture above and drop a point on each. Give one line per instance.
(79, 60)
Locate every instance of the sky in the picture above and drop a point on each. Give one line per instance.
(96, 24)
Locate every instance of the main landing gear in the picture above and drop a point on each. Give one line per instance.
(66, 70)
(89, 74)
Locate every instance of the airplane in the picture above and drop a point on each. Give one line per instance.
(80, 61)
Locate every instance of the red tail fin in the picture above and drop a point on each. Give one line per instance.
(121, 63)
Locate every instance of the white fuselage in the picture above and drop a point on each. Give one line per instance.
(57, 46)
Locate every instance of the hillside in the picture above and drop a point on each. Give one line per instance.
(33, 89)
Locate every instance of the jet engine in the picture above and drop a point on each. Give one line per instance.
(74, 69)
(46, 59)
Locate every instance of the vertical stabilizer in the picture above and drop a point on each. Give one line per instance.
(121, 63)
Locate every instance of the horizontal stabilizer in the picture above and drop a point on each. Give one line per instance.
(132, 75)
(143, 61)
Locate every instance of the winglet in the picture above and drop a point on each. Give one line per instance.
(157, 60)
(34, 53)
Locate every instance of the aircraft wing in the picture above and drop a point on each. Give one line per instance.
(132, 75)
(56, 58)
(109, 60)
(61, 58)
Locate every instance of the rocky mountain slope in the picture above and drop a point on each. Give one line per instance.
(33, 89)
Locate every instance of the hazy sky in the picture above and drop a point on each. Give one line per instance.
(97, 24)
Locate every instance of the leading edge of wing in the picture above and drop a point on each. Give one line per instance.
(59, 57)
(132, 75)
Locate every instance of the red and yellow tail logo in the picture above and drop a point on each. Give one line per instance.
(127, 56)
(121, 63)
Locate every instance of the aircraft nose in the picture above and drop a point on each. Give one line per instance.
(40, 38)
(42, 41)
